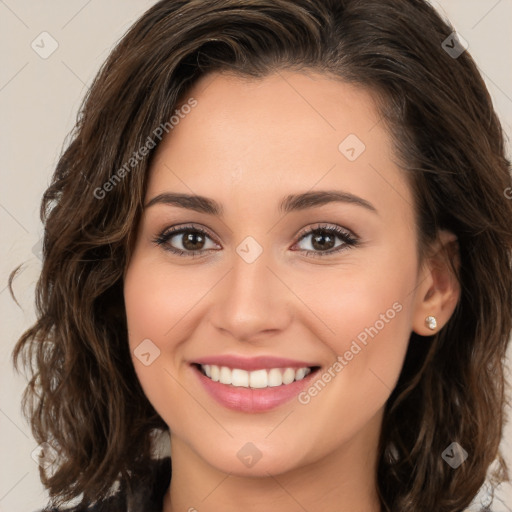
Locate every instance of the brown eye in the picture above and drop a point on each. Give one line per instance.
(185, 241)
(191, 240)
(323, 240)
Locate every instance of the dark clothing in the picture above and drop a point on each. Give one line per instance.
(144, 499)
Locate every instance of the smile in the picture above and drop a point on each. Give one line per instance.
(257, 379)
(252, 385)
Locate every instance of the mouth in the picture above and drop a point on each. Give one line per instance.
(255, 379)
(253, 385)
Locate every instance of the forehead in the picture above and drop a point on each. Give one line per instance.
(287, 132)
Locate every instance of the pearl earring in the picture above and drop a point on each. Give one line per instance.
(431, 322)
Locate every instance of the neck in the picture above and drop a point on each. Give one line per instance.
(343, 481)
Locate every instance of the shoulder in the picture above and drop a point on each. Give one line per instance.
(146, 497)
(149, 496)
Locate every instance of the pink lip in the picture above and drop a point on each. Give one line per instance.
(252, 400)
(253, 363)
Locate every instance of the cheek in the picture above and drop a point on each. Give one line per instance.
(153, 306)
(155, 303)
(366, 312)
(156, 300)
(373, 322)
(365, 301)
(161, 306)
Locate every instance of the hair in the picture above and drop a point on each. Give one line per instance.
(84, 398)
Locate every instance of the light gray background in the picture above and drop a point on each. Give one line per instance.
(38, 104)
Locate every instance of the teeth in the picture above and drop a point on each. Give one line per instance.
(301, 373)
(215, 373)
(288, 376)
(275, 377)
(257, 379)
(239, 378)
(225, 375)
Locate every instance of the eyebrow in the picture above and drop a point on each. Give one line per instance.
(290, 203)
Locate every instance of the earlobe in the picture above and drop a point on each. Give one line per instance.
(438, 290)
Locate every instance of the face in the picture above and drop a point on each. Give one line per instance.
(270, 321)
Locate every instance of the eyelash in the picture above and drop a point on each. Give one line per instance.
(349, 240)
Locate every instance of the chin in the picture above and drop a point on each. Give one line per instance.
(241, 457)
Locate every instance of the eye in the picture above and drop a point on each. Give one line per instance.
(190, 240)
(323, 240)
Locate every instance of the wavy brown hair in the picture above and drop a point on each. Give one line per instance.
(84, 397)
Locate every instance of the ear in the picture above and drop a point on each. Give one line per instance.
(438, 289)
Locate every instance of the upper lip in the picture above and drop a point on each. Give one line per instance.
(253, 363)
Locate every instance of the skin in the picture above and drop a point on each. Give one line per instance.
(247, 144)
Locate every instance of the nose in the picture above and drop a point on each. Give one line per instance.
(253, 301)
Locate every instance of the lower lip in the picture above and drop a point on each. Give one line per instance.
(249, 399)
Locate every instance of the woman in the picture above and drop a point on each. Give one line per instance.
(281, 237)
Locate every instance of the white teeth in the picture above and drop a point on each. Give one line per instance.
(257, 379)
(225, 375)
(300, 373)
(240, 378)
(275, 377)
(215, 371)
(288, 376)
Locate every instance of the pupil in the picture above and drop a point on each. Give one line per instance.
(191, 239)
(317, 244)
